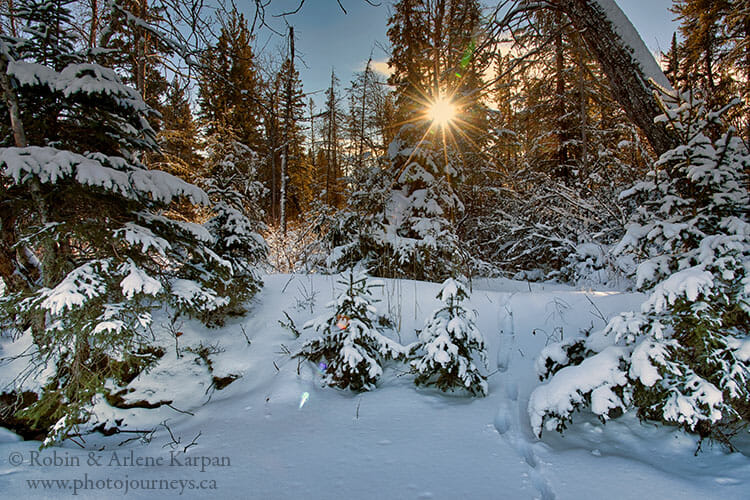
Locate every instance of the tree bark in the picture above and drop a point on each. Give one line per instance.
(287, 127)
(629, 85)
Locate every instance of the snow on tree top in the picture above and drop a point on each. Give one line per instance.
(452, 289)
(79, 79)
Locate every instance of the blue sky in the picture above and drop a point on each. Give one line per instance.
(326, 37)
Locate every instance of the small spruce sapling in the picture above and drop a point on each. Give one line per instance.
(350, 340)
(450, 340)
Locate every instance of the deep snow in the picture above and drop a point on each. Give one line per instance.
(395, 442)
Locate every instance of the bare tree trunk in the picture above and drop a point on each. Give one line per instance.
(140, 46)
(311, 105)
(94, 23)
(334, 146)
(287, 125)
(584, 107)
(629, 84)
(561, 168)
(272, 147)
(361, 149)
(329, 140)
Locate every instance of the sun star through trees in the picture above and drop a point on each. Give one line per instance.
(442, 112)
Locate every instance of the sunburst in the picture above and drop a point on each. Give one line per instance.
(442, 112)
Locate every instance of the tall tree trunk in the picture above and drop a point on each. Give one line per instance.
(287, 126)
(629, 85)
(561, 169)
(584, 107)
(94, 23)
(361, 149)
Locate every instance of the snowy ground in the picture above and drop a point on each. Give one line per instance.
(396, 442)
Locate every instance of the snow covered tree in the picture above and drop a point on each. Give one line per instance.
(448, 345)
(684, 359)
(353, 233)
(91, 218)
(351, 344)
(433, 63)
(236, 195)
(418, 236)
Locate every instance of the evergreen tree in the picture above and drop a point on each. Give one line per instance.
(91, 216)
(178, 137)
(433, 62)
(715, 54)
(229, 86)
(444, 354)
(334, 161)
(298, 193)
(417, 235)
(351, 348)
(683, 359)
(132, 47)
(236, 194)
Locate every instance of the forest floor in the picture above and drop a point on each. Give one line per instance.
(276, 433)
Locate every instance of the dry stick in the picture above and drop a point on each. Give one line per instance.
(601, 316)
(194, 442)
(242, 328)
(181, 411)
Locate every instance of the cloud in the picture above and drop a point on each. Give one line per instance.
(381, 67)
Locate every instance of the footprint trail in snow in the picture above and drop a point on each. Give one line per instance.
(507, 419)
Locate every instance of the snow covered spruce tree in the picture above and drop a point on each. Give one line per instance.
(684, 358)
(351, 347)
(418, 238)
(89, 217)
(233, 188)
(448, 345)
(402, 227)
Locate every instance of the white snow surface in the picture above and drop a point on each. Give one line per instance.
(395, 442)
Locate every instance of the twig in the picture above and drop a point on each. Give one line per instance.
(601, 316)
(181, 411)
(242, 328)
(194, 442)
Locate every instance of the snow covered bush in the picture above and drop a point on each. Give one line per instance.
(351, 347)
(593, 264)
(91, 220)
(684, 358)
(449, 343)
